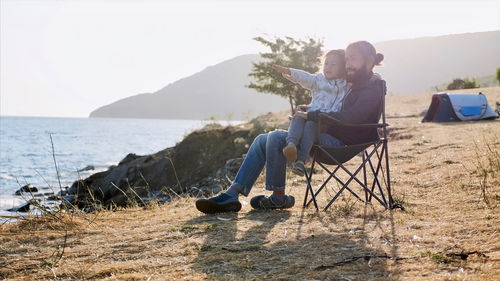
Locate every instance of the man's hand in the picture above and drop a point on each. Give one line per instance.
(282, 69)
(301, 114)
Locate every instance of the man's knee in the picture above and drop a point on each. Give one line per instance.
(260, 138)
(277, 137)
(259, 142)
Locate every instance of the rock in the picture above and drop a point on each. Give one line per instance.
(26, 188)
(87, 168)
(23, 208)
(220, 181)
(63, 192)
(205, 162)
(230, 169)
(194, 161)
(69, 201)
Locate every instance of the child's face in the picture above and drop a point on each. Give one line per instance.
(334, 68)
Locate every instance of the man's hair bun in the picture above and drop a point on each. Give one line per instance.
(378, 58)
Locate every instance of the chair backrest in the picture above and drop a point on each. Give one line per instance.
(345, 153)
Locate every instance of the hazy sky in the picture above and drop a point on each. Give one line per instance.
(66, 58)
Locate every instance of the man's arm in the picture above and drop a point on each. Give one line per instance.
(364, 110)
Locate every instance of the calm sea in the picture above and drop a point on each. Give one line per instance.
(26, 151)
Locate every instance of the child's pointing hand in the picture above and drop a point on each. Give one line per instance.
(282, 69)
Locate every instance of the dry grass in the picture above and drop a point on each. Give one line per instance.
(447, 232)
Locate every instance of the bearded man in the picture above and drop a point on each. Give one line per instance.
(361, 105)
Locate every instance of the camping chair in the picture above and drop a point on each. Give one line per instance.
(374, 155)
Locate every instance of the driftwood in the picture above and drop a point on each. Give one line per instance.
(365, 257)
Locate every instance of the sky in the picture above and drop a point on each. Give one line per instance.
(67, 58)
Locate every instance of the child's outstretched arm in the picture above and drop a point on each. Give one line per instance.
(282, 69)
(305, 79)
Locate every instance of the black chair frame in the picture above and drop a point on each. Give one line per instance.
(376, 150)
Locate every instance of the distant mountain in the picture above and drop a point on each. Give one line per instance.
(416, 65)
(410, 65)
(218, 91)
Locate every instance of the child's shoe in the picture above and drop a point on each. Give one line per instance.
(299, 168)
(290, 152)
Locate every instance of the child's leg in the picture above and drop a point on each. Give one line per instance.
(295, 130)
(307, 140)
(293, 137)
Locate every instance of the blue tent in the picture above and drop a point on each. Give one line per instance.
(459, 107)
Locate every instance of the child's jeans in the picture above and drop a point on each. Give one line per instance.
(302, 133)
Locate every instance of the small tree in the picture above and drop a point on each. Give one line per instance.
(498, 76)
(456, 84)
(471, 83)
(463, 84)
(300, 54)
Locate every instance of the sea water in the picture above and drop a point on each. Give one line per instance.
(27, 152)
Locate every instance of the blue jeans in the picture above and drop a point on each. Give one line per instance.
(267, 150)
(302, 133)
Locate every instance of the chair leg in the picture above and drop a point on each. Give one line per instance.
(307, 189)
(376, 173)
(389, 194)
(325, 182)
(309, 186)
(364, 175)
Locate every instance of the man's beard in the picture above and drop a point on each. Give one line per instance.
(358, 75)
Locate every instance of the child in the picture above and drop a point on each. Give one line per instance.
(328, 91)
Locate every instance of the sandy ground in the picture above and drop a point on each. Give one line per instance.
(449, 230)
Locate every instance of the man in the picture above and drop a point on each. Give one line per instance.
(361, 105)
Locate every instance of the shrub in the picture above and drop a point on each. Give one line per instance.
(498, 75)
(463, 84)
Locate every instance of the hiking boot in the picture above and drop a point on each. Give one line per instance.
(263, 202)
(299, 168)
(218, 204)
(290, 152)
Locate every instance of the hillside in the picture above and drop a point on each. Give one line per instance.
(447, 231)
(218, 91)
(416, 65)
(410, 66)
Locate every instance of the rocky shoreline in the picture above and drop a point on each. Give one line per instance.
(204, 162)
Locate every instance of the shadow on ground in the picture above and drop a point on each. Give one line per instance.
(281, 245)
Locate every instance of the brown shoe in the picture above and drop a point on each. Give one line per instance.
(290, 152)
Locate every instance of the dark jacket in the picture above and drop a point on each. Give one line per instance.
(362, 105)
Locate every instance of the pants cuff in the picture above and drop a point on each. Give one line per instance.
(241, 189)
(275, 188)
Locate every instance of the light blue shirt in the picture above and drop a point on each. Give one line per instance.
(327, 95)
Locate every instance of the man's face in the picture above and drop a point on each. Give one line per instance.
(356, 66)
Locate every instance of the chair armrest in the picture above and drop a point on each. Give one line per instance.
(323, 117)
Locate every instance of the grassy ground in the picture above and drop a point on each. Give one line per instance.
(446, 175)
